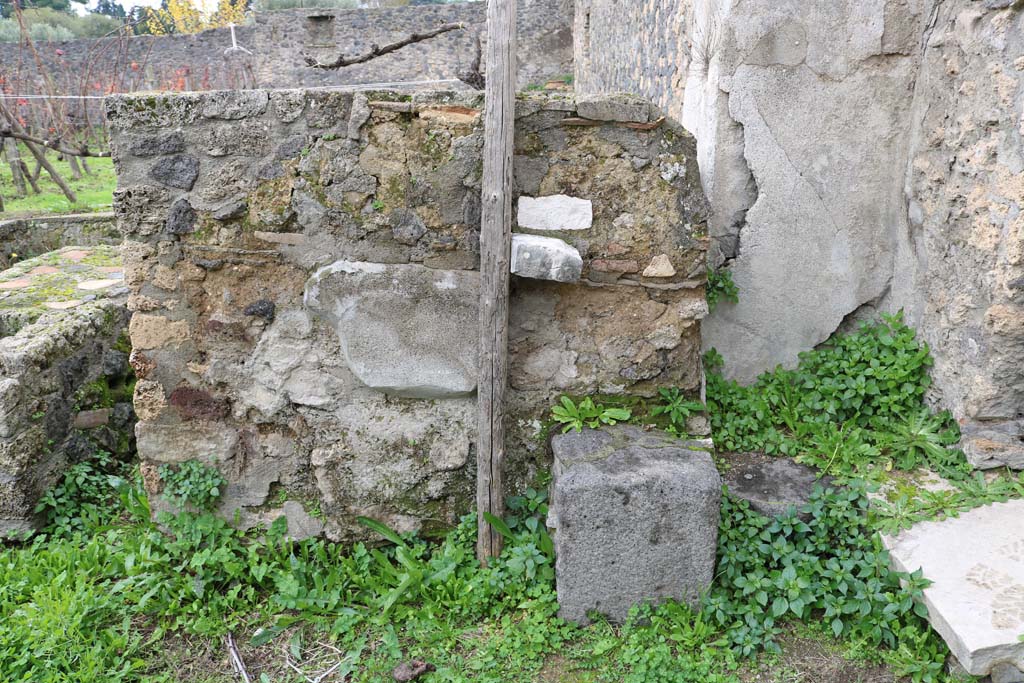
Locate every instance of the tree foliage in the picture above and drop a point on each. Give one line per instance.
(184, 16)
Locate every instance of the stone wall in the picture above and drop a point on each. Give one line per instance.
(304, 284)
(858, 157)
(61, 316)
(799, 169)
(544, 27)
(28, 237)
(278, 40)
(96, 67)
(960, 264)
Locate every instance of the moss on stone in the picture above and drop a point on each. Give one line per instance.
(23, 305)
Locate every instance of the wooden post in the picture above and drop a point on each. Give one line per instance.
(14, 161)
(495, 245)
(39, 154)
(76, 172)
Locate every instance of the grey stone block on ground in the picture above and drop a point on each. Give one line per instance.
(976, 600)
(636, 516)
(770, 485)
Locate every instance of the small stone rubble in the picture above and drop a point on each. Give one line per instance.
(545, 258)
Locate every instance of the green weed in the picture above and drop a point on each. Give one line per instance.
(192, 483)
(720, 288)
(849, 407)
(586, 413)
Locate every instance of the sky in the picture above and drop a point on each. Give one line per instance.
(127, 4)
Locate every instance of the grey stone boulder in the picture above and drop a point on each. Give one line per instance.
(156, 145)
(770, 485)
(180, 171)
(545, 258)
(635, 517)
(993, 443)
(976, 600)
(404, 329)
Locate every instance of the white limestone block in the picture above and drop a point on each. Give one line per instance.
(555, 212)
(976, 600)
(545, 258)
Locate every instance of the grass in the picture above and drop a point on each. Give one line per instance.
(106, 594)
(94, 191)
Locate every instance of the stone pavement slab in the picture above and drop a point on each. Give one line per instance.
(56, 281)
(976, 564)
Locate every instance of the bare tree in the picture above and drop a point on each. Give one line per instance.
(10, 150)
(379, 50)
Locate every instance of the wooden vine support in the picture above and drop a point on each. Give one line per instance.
(14, 129)
(495, 247)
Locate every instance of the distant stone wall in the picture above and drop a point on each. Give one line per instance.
(303, 267)
(278, 39)
(28, 237)
(639, 46)
(544, 43)
(96, 67)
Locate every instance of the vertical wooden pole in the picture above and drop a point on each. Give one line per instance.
(39, 154)
(495, 245)
(14, 161)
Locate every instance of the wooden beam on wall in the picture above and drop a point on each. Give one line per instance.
(495, 245)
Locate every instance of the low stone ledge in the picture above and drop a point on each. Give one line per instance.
(620, 107)
(29, 237)
(61, 313)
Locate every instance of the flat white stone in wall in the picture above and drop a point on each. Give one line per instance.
(976, 600)
(555, 212)
(545, 258)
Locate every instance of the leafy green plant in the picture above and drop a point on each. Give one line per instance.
(587, 414)
(853, 404)
(819, 563)
(192, 483)
(85, 498)
(676, 407)
(922, 437)
(908, 505)
(720, 288)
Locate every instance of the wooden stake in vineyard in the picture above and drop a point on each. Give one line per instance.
(495, 245)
